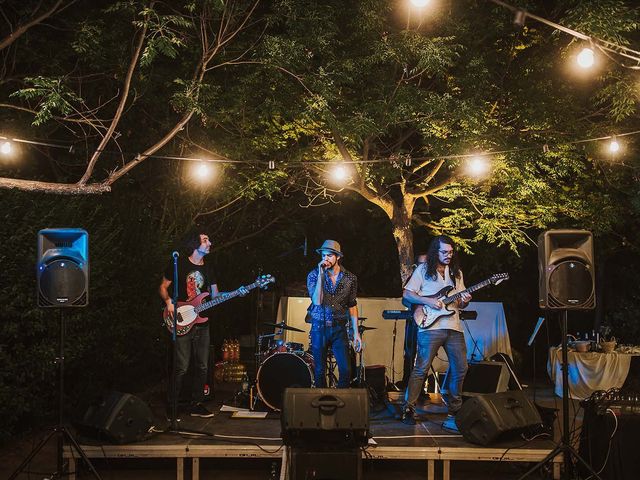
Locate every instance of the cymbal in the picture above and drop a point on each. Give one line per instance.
(283, 326)
(362, 328)
(362, 319)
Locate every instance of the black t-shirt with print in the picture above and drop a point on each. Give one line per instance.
(192, 279)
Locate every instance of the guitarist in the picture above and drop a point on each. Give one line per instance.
(440, 270)
(194, 277)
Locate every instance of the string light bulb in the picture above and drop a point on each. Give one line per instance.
(203, 171)
(6, 148)
(586, 58)
(477, 166)
(339, 173)
(614, 145)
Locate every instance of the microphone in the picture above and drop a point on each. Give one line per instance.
(304, 247)
(175, 254)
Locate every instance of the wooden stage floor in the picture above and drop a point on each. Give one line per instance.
(228, 437)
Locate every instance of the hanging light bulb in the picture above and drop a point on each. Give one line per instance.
(420, 3)
(6, 148)
(203, 171)
(339, 173)
(614, 146)
(586, 58)
(477, 166)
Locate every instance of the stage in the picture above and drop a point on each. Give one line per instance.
(228, 437)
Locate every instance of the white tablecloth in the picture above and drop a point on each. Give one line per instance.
(489, 331)
(588, 372)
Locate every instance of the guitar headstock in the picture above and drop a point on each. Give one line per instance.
(263, 281)
(497, 278)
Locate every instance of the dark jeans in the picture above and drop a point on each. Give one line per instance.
(194, 344)
(323, 337)
(429, 341)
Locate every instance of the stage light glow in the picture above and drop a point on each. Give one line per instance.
(420, 3)
(6, 148)
(586, 58)
(614, 145)
(477, 166)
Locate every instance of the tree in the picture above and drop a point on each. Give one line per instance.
(174, 51)
(402, 103)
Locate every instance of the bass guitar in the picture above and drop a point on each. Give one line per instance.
(188, 313)
(426, 316)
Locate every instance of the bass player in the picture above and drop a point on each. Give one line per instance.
(440, 270)
(194, 277)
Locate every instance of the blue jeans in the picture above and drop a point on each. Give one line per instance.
(194, 344)
(323, 337)
(429, 341)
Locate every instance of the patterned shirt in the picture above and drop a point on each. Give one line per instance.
(336, 298)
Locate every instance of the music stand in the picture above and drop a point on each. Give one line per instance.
(564, 446)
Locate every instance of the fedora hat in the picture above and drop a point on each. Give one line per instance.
(330, 246)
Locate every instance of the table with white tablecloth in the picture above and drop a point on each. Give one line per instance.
(588, 371)
(486, 335)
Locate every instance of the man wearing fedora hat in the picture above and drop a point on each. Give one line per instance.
(332, 289)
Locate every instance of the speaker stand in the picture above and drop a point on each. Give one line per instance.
(60, 432)
(564, 447)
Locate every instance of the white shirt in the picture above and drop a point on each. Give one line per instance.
(429, 286)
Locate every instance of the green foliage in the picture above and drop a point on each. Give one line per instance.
(51, 95)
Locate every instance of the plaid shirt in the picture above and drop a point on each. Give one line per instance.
(336, 299)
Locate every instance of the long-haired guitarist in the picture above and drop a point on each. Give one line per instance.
(195, 276)
(441, 270)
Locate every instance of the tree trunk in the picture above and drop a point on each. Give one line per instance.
(401, 221)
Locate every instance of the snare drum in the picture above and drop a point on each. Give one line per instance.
(282, 370)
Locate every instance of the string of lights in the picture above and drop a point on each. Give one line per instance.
(614, 146)
(586, 58)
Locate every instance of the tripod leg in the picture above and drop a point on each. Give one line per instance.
(80, 451)
(577, 456)
(33, 453)
(542, 462)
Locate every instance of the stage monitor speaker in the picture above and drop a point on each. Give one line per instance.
(485, 377)
(327, 417)
(63, 267)
(118, 418)
(488, 418)
(566, 270)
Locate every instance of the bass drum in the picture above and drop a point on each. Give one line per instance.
(280, 371)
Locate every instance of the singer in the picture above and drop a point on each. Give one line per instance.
(332, 289)
(194, 277)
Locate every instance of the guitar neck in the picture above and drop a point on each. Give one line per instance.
(473, 288)
(222, 298)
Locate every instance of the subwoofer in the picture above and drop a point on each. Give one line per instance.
(566, 270)
(117, 418)
(488, 418)
(63, 267)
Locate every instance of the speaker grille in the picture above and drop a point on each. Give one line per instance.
(62, 282)
(571, 284)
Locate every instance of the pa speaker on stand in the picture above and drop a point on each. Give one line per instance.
(567, 278)
(63, 267)
(566, 282)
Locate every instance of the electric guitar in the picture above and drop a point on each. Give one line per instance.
(188, 312)
(426, 316)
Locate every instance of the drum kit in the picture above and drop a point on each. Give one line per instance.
(287, 364)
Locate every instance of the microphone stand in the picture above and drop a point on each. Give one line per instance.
(174, 339)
